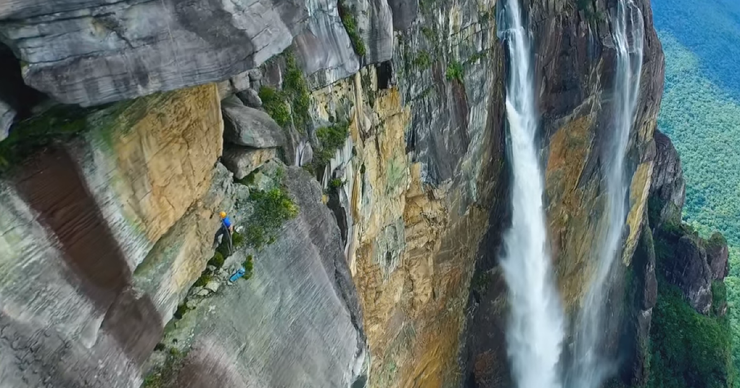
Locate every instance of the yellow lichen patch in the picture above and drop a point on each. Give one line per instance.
(571, 231)
(164, 148)
(639, 190)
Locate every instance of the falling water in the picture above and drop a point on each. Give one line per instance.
(590, 368)
(536, 330)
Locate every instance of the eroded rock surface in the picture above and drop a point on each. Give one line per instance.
(94, 52)
(296, 323)
(79, 217)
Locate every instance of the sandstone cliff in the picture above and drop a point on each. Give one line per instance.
(387, 274)
(575, 67)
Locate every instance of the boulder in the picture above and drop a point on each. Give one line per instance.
(241, 81)
(243, 160)
(250, 98)
(250, 127)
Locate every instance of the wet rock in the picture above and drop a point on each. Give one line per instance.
(250, 127)
(242, 160)
(250, 98)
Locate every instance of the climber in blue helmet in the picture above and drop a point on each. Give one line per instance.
(226, 229)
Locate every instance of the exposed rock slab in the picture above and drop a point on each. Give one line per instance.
(79, 216)
(300, 308)
(250, 127)
(104, 51)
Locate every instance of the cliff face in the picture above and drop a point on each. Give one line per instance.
(575, 71)
(386, 275)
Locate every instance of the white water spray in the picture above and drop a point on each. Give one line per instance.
(590, 368)
(536, 330)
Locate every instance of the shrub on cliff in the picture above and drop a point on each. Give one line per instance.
(330, 139)
(291, 104)
(350, 24)
(271, 209)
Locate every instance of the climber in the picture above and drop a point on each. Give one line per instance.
(226, 229)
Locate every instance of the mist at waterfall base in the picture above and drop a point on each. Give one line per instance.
(590, 367)
(536, 328)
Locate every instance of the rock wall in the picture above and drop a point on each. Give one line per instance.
(78, 217)
(105, 232)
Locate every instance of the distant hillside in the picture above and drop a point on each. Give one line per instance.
(701, 115)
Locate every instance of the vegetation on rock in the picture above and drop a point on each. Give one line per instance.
(455, 71)
(271, 209)
(330, 139)
(350, 24)
(688, 349)
(289, 105)
(162, 376)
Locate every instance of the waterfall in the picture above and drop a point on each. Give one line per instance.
(536, 327)
(590, 368)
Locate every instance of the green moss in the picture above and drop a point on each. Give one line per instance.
(271, 209)
(291, 104)
(165, 374)
(350, 24)
(455, 71)
(429, 34)
(335, 184)
(204, 278)
(717, 240)
(422, 61)
(217, 260)
(238, 240)
(719, 297)
(182, 308)
(296, 88)
(59, 123)
(274, 104)
(477, 56)
(249, 179)
(248, 265)
(330, 140)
